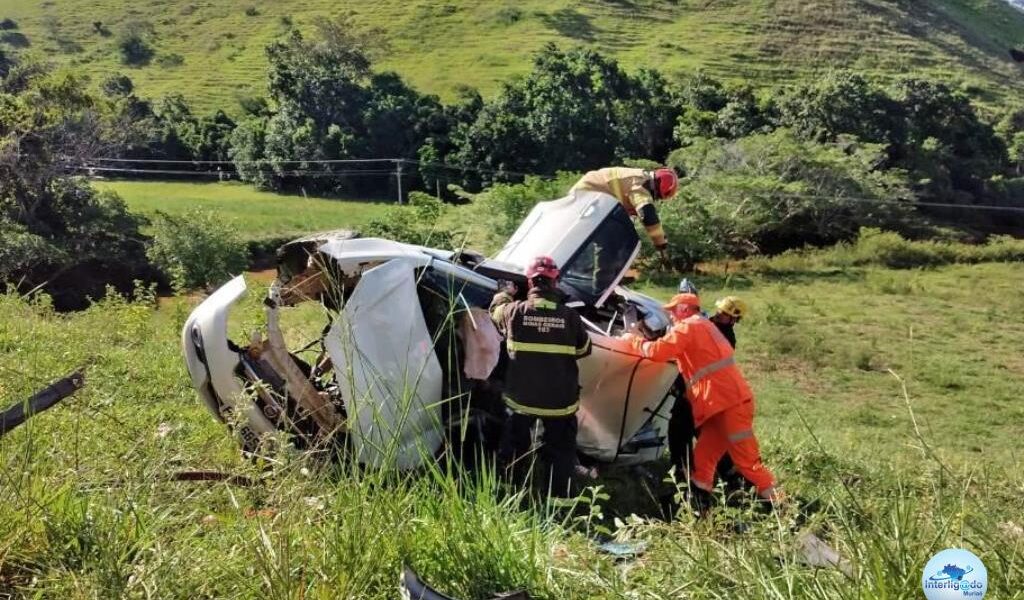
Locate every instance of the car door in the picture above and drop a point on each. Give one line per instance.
(385, 365)
(620, 392)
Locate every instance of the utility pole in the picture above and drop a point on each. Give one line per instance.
(398, 175)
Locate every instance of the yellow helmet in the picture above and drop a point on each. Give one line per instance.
(732, 306)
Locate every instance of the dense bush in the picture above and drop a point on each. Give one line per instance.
(134, 44)
(420, 224)
(196, 250)
(695, 234)
(508, 204)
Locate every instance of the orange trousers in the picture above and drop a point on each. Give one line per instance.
(731, 431)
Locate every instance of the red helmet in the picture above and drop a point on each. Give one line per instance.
(543, 266)
(665, 183)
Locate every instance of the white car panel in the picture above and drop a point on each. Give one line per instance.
(557, 228)
(353, 255)
(208, 326)
(613, 372)
(386, 367)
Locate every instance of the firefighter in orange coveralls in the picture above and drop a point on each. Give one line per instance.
(636, 190)
(722, 402)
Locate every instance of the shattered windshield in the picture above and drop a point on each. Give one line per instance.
(596, 268)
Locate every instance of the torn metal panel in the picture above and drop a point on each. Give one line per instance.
(620, 393)
(389, 375)
(310, 400)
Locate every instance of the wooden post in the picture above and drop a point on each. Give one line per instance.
(398, 175)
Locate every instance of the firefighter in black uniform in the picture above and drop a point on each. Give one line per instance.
(544, 339)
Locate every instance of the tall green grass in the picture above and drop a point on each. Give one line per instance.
(886, 473)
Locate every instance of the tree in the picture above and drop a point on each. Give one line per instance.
(576, 110)
(936, 117)
(248, 149)
(53, 224)
(714, 111)
(330, 105)
(645, 120)
(770, 192)
(179, 134)
(1011, 129)
(1016, 152)
(443, 133)
(841, 102)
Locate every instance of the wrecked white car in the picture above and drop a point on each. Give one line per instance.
(410, 365)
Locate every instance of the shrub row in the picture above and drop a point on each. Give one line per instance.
(885, 248)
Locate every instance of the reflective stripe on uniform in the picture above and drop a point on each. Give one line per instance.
(615, 182)
(739, 436)
(584, 349)
(704, 371)
(544, 303)
(542, 412)
(514, 346)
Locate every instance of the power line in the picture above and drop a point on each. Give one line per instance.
(400, 161)
(337, 161)
(248, 162)
(290, 173)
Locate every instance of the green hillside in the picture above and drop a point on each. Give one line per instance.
(212, 50)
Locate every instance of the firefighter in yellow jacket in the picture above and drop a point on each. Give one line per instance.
(636, 189)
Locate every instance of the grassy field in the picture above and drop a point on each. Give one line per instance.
(213, 50)
(888, 470)
(257, 215)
